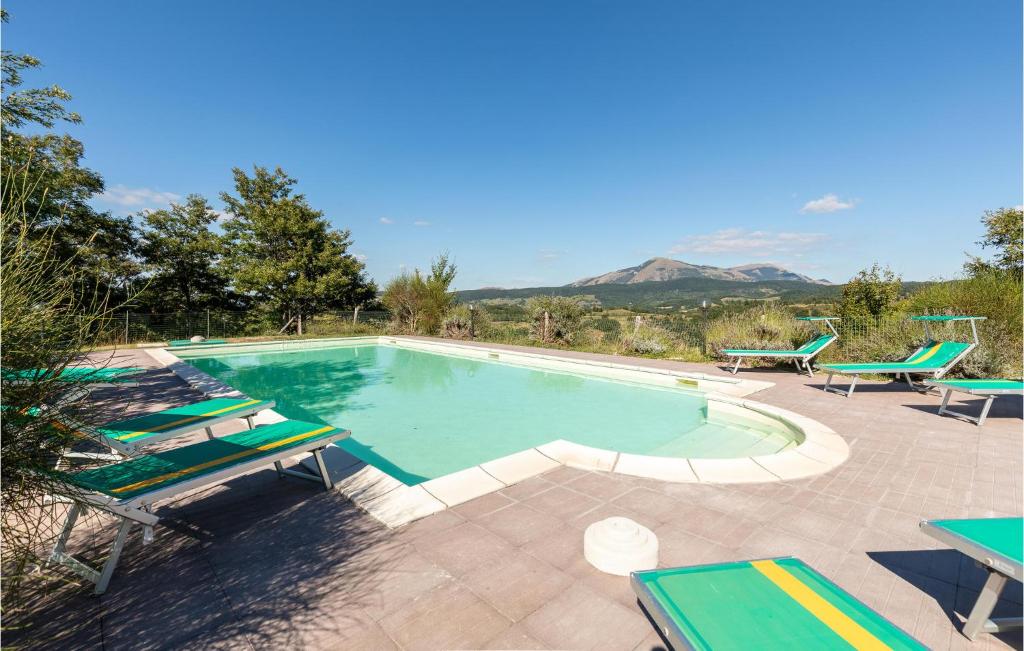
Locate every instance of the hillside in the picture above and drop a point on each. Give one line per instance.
(670, 294)
(665, 269)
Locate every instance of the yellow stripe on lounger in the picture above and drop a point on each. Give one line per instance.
(184, 421)
(216, 462)
(934, 349)
(855, 634)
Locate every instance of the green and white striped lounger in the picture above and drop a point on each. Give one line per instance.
(995, 544)
(82, 375)
(800, 356)
(934, 358)
(175, 343)
(989, 389)
(768, 604)
(128, 489)
(127, 436)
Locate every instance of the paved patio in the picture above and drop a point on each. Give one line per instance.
(264, 563)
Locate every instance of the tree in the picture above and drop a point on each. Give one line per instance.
(1004, 231)
(284, 253)
(556, 319)
(44, 175)
(872, 292)
(419, 304)
(183, 257)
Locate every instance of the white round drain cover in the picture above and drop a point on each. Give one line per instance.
(620, 546)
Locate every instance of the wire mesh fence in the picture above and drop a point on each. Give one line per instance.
(860, 338)
(136, 327)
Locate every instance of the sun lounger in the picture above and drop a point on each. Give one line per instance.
(800, 356)
(127, 436)
(935, 358)
(80, 375)
(128, 489)
(769, 604)
(995, 544)
(174, 343)
(988, 389)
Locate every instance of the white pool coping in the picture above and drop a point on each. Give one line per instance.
(818, 449)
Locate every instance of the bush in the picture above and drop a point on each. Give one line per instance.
(767, 327)
(608, 327)
(419, 303)
(464, 323)
(564, 324)
(872, 292)
(993, 294)
(648, 339)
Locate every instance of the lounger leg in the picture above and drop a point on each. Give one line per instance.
(807, 365)
(209, 433)
(984, 410)
(847, 392)
(322, 468)
(248, 420)
(65, 533)
(280, 469)
(978, 621)
(737, 367)
(853, 385)
(946, 394)
(115, 555)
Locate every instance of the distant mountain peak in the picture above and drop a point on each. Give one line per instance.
(661, 269)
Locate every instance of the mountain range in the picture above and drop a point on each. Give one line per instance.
(663, 269)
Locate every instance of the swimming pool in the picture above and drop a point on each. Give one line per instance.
(419, 415)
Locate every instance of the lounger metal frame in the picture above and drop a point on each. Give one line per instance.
(1000, 569)
(129, 449)
(139, 509)
(989, 394)
(935, 372)
(805, 360)
(668, 629)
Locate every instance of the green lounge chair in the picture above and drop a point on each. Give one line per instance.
(768, 604)
(995, 544)
(174, 343)
(802, 355)
(127, 490)
(127, 436)
(80, 375)
(989, 389)
(935, 358)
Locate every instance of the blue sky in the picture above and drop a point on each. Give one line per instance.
(539, 142)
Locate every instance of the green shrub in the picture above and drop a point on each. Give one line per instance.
(607, 326)
(461, 322)
(993, 294)
(648, 339)
(766, 327)
(564, 323)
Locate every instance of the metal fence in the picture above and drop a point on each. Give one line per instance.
(136, 327)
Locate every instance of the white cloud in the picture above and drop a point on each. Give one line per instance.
(549, 255)
(421, 222)
(828, 203)
(387, 220)
(362, 257)
(137, 198)
(740, 240)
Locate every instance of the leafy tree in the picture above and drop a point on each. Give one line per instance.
(44, 175)
(284, 253)
(1004, 231)
(872, 292)
(418, 303)
(183, 257)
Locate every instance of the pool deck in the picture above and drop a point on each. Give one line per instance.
(263, 563)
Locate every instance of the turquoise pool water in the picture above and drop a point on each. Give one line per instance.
(418, 415)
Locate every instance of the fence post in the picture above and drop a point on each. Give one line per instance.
(636, 324)
(207, 323)
(544, 336)
(126, 327)
(355, 316)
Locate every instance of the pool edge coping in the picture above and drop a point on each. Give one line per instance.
(395, 504)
